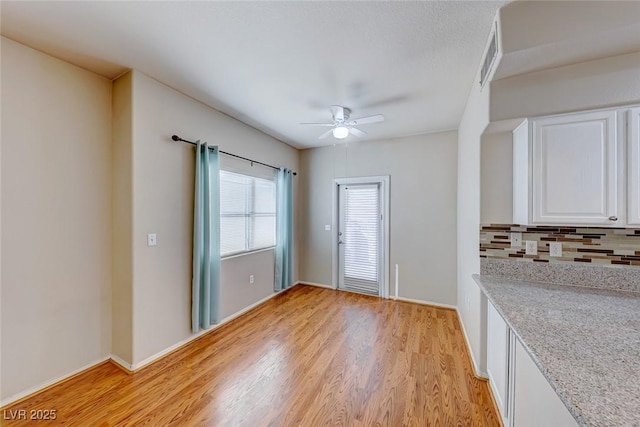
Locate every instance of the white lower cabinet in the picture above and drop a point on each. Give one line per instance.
(499, 361)
(523, 395)
(536, 404)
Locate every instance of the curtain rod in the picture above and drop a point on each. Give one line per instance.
(178, 139)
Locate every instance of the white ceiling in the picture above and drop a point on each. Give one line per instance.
(275, 64)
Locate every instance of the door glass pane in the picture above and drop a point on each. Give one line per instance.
(361, 236)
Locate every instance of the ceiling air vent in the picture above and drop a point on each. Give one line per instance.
(489, 59)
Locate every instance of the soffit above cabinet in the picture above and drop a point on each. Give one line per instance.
(540, 35)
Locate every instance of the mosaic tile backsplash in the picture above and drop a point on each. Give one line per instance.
(597, 246)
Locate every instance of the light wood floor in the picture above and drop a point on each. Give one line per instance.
(308, 357)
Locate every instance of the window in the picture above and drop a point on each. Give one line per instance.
(247, 213)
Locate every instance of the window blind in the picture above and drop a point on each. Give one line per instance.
(247, 213)
(361, 236)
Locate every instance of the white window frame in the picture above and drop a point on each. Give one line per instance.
(383, 181)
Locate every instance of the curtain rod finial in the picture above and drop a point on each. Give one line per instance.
(175, 137)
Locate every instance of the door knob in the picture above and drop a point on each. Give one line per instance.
(613, 218)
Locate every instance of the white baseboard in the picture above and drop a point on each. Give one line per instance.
(227, 319)
(419, 301)
(318, 285)
(49, 383)
(255, 304)
(135, 366)
(121, 362)
(476, 369)
(158, 355)
(492, 386)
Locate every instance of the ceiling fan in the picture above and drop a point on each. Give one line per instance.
(343, 125)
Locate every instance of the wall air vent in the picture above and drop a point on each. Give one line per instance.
(489, 58)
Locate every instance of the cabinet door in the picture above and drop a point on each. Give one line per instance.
(536, 403)
(498, 360)
(633, 183)
(575, 169)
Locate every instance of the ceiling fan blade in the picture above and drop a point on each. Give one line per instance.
(365, 120)
(338, 112)
(326, 134)
(357, 132)
(317, 124)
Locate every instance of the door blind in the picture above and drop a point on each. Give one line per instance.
(361, 237)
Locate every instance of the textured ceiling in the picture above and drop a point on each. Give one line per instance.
(276, 64)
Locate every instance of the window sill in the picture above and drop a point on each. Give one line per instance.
(241, 254)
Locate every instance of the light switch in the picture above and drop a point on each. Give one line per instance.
(327, 228)
(151, 239)
(516, 240)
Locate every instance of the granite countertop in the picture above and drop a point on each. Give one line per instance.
(585, 341)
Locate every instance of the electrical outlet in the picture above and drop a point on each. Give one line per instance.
(516, 240)
(531, 247)
(555, 249)
(151, 240)
(252, 279)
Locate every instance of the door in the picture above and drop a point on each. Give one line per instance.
(575, 169)
(360, 219)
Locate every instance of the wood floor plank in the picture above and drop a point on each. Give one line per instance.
(308, 357)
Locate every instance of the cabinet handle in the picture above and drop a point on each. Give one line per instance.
(613, 218)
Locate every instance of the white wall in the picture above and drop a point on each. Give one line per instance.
(539, 35)
(79, 282)
(496, 178)
(422, 172)
(56, 218)
(589, 85)
(237, 293)
(163, 174)
(472, 313)
(122, 167)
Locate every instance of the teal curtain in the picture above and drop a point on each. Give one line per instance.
(205, 296)
(284, 230)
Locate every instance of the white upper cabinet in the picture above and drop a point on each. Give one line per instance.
(633, 183)
(575, 169)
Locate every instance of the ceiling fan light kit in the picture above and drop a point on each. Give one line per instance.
(342, 126)
(340, 132)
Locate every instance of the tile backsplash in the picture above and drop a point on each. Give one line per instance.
(597, 246)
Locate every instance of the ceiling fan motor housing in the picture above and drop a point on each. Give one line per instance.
(343, 126)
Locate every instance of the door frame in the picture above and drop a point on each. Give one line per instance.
(383, 181)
